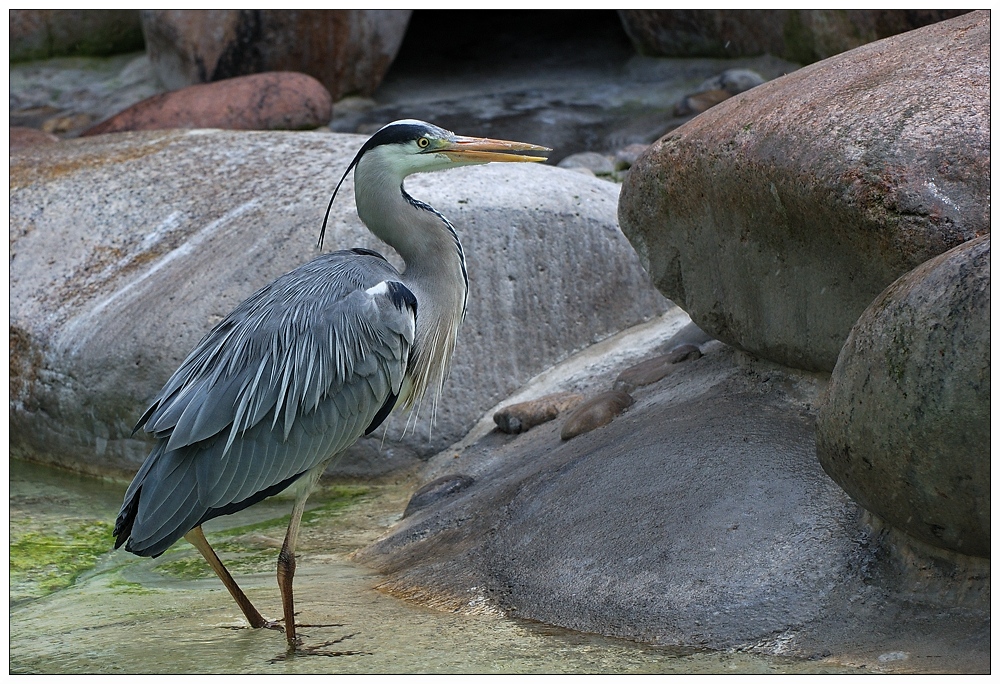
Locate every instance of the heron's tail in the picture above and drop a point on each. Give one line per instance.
(161, 505)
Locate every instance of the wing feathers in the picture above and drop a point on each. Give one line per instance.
(291, 377)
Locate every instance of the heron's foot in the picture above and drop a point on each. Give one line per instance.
(273, 624)
(317, 649)
(266, 624)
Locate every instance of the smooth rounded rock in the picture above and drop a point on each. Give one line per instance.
(127, 248)
(280, 100)
(905, 427)
(700, 518)
(775, 218)
(595, 412)
(700, 102)
(733, 81)
(655, 369)
(626, 156)
(598, 163)
(523, 416)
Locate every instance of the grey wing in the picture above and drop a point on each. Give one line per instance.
(293, 376)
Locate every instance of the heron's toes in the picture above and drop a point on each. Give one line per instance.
(318, 649)
(273, 624)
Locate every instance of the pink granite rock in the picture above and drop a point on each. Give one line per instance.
(777, 216)
(21, 137)
(280, 100)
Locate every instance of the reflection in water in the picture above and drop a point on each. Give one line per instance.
(168, 615)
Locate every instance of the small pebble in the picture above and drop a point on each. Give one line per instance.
(733, 81)
(596, 412)
(684, 352)
(521, 417)
(700, 102)
(626, 157)
(598, 163)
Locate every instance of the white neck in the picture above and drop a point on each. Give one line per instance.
(435, 268)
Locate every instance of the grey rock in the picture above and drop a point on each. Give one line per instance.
(599, 164)
(700, 518)
(733, 81)
(78, 90)
(346, 50)
(126, 249)
(775, 218)
(905, 428)
(436, 491)
(626, 156)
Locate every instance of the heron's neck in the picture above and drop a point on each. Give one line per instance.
(435, 271)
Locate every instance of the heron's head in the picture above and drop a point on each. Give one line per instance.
(409, 146)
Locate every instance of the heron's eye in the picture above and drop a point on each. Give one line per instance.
(422, 143)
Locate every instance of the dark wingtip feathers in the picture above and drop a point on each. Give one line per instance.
(126, 518)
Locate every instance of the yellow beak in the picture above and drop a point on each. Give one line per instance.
(482, 150)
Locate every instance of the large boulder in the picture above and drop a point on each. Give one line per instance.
(699, 518)
(282, 100)
(126, 249)
(776, 217)
(905, 428)
(347, 50)
(802, 36)
(41, 34)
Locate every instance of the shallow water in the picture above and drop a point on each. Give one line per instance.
(112, 612)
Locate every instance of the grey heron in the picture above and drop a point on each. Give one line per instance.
(302, 369)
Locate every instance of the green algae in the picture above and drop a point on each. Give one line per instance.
(42, 562)
(253, 548)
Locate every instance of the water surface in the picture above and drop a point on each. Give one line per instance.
(77, 607)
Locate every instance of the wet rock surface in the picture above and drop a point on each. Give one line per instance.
(280, 100)
(905, 427)
(171, 230)
(127, 615)
(701, 518)
(776, 217)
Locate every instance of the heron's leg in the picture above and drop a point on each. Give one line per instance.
(256, 620)
(286, 558)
